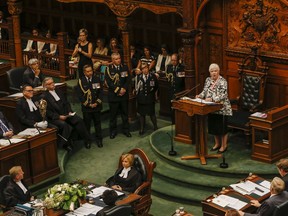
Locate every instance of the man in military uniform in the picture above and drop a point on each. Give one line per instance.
(89, 92)
(176, 77)
(117, 78)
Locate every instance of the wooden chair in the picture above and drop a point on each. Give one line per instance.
(252, 77)
(145, 167)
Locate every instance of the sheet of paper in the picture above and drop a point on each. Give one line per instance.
(199, 100)
(237, 205)
(224, 200)
(58, 84)
(265, 184)
(98, 191)
(30, 132)
(5, 142)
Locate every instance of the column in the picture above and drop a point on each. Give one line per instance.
(15, 9)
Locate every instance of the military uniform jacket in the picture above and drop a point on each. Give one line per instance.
(145, 90)
(90, 92)
(176, 77)
(117, 79)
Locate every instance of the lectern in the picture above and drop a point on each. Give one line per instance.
(200, 110)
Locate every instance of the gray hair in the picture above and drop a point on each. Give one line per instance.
(214, 66)
(32, 61)
(45, 80)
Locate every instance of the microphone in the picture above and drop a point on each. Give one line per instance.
(223, 164)
(185, 92)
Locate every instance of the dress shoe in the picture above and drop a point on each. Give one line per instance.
(88, 144)
(99, 143)
(215, 149)
(220, 152)
(127, 134)
(112, 135)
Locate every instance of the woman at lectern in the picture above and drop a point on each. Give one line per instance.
(215, 90)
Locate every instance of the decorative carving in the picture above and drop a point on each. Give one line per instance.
(164, 2)
(258, 22)
(14, 7)
(122, 8)
(122, 24)
(215, 49)
(189, 36)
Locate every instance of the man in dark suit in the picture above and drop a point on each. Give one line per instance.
(277, 197)
(89, 92)
(282, 166)
(6, 128)
(176, 76)
(16, 192)
(59, 113)
(27, 110)
(117, 78)
(32, 75)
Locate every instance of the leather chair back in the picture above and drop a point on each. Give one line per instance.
(281, 209)
(15, 78)
(3, 183)
(123, 210)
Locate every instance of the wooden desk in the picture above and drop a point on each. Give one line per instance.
(269, 135)
(211, 209)
(8, 107)
(200, 110)
(36, 155)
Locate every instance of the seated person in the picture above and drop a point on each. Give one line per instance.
(27, 110)
(49, 48)
(109, 198)
(34, 45)
(282, 166)
(6, 128)
(126, 178)
(277, 197)
(16, 191)
(59, 113)
(32, 75)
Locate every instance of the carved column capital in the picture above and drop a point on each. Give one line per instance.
(122, 8)
(14, 7)
(123, 23)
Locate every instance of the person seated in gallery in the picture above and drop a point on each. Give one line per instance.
(277, 197)
(99, 50)
(6, 128)
(282, 166)
(109, 198)
(126, 178)
(3, 31)
(163, 60)
(27, 110)
(16, 191)
(34, 45)
(114, 47)
(32, 75)
(59, 113)
(49, 48)
(148, 58)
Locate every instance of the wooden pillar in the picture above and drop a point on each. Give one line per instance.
(15, 9)
(123, 27)
(62, 39)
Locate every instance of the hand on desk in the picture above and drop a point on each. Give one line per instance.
(255, 203)
(116, 187)
(8, 134)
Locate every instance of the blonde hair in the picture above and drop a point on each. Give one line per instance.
(129, 157)
(277, 185)
(14, 171)
(282, 164)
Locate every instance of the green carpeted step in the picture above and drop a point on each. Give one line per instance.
(172, 190)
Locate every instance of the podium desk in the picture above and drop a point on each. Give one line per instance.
(36, 155)
(211, 209)
(164, 96)
(200, 111)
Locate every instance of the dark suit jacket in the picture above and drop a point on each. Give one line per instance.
(115, 86)
(285, 179)
(6, 122)
(14, 194)
(268, 206)
(27, 118)
(129, 184)
(4, 32)
(56, 108)
(178, 83)
(30, 79)
(146, 93)
(86, 99)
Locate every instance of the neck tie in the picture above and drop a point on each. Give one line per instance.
(3, 127)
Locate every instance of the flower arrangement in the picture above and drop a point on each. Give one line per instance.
(64, 196)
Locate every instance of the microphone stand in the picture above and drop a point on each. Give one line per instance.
(172, 152)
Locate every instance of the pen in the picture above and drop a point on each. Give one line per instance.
(259, 189)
